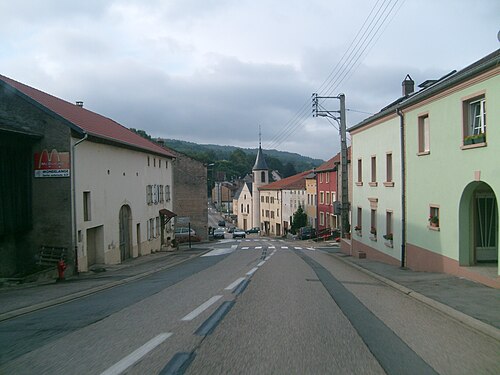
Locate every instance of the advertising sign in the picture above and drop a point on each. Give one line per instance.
(53, 164)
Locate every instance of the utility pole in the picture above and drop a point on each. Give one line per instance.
(339, 117)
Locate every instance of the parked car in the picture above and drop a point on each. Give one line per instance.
(184, 232)
(306, 233)
(219, 233)
(253, 230)
(239, 233)
(222, 223)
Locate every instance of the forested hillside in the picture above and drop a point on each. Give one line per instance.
(237, 162)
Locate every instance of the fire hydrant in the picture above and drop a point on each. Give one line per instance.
(61, 267)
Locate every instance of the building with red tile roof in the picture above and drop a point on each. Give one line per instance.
(76, 183)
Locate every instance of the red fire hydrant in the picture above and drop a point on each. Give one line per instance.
(61, 267)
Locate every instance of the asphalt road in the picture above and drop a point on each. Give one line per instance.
(250, 306)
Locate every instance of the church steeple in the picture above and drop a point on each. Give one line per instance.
(260, 161)
(260, 172)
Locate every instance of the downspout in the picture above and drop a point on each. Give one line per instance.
(403, 187)
(73, 186)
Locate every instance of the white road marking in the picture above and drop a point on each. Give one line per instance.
(311, 248)
(272, 247)
(136, 355)
(261, 263)
(234, 247)
(218, 252)
(193, 314)
(252, 271)
(284, 247)
(298, 248)
(258, 247)
(245, 248)
(233, 284)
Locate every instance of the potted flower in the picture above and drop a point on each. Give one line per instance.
(433, 221)
(373, 231)
(474, 139)
(357, 229)
(388, 236)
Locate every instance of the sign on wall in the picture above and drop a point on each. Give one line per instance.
(53, 164)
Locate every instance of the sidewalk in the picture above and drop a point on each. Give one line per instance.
(473, 304)
(24, 298)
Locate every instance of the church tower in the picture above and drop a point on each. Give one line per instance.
(260, 173)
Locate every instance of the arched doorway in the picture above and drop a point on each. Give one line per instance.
(478, 225)
(125, 232)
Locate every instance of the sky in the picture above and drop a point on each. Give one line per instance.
(217, 71)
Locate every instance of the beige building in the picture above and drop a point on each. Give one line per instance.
(243, 206)
(90, 188)
(311, 203)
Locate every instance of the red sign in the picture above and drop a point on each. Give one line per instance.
(53, 164)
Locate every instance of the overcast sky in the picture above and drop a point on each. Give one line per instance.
(212, 71)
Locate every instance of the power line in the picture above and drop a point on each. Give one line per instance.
(344, 70)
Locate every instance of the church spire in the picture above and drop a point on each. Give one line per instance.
(260, 161)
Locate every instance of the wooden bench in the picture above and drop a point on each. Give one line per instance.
(50, 256)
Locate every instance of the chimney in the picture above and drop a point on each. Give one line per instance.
(79, 104)
(408, 85)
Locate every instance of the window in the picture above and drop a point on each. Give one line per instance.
(151, 229)
(388, 167)
(262, 199)
(474, 120)
(154, 162)
(278, 212)
(321, 177)
(388, 224)
(149, 194)
(360, 172)
(157, 226)
(272, 200)
(423, 134)
(327, 177)
(86, 206)
(434, 217)
(359, 220)
(321, 197)
(374, 171)
(242, 208)
(159, 163)
(321, 218)
(373, 223)
(167, 193)
(267, 213)
(155, 194)
(327, 197)
(148, 162)
(272, 214)
(262, 213)
(267, 199)
(248, 208)
(334, 197)
(160, 189)
(262, 176)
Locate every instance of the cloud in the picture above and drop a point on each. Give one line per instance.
(212, 71)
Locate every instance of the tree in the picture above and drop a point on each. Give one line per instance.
(299, 220)
(289, 170)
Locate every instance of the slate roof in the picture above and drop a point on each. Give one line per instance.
(260, 161)
(295, 182)
(84, 121)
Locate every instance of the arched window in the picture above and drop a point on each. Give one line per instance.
(262, 176)
(242, 207)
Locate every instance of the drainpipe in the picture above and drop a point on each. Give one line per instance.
(403, 187)
(73, 186)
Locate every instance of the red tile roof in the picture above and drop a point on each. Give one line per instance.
(88, 121)
(330, 164)
(297, 181)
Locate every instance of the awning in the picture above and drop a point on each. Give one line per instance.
(167, 214)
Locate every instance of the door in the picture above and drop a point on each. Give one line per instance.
(486, 228)
(125, 232)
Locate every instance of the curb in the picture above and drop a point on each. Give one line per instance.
(83, 293)
(465, 319)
